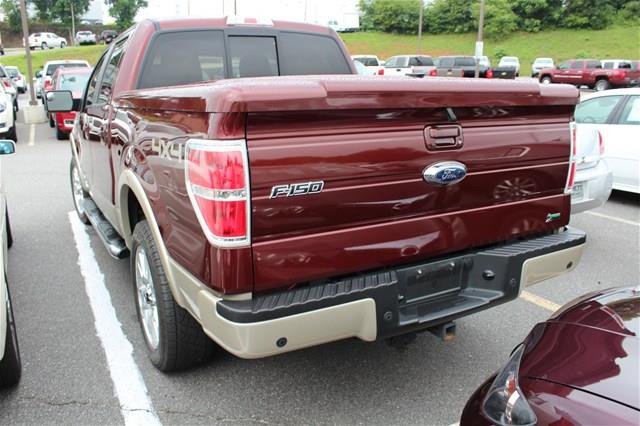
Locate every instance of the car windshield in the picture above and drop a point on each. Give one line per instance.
(73, 82)
(509, 60)
(52, 68)
(12, 72)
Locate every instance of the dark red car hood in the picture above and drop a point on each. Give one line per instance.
(592, 344)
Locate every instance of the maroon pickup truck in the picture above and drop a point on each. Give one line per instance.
(589, 72)
(271, 200)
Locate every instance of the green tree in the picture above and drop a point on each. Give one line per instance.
(11, 9)
(499, 19)
(450, 16)
(536, 15)
(61, 10)
(590, 14)
(124, 11)
(44, 9)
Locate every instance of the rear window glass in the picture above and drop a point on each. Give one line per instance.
(306, 54)
(74, 83)
(177, 58)
(596, 110)
(421, 61)
(53, 67)
(253, 56)
(12, 72)
(465, 62)
(369, 62)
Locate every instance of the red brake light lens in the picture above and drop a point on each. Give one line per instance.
(600, 143)
(217, 183)
(489, 73)
(6, 84)
(381, 71)
(572, 161)
(433, 73)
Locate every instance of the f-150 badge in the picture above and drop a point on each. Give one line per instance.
(295, 189)
(445, 173)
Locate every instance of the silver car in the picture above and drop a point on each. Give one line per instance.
(85, 37)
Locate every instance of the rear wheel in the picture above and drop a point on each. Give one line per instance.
(60, 135)
(10, 365)
(174, 339)
(52, 123)
(78, 192)
(11, 134)
(44, 46)
(602, 84)
(63, 45)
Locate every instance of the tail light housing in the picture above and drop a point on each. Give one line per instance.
(381, 71)
(489, 73)
(572, 160)
(6, 84)
(433, 73)
(217, 180)
(47, 83)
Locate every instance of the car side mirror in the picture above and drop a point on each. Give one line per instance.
(59, 101)
(7, 147)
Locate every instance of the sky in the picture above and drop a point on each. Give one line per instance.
(315, 11)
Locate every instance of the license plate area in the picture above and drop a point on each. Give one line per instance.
(437, 280)
(577, 192)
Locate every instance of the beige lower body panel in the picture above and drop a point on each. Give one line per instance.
(550, 265)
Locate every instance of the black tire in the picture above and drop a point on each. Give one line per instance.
(12, 134)
(8, 225)
(81, 194)
(181, 342)
(545, 80)
(44, 46)
(602, 85)
(63, 45)
(16, 107)
(11, 364)
(52, 122)
(60, 135)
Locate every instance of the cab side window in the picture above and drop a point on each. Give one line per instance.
(631, 112)
(596, 110)
(564, 66)
(92, 87)
(111, 72)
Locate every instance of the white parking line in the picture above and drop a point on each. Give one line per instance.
(614, 218)
(540, 301)
(32, 135)
(129, 386)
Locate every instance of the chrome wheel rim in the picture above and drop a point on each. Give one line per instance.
(78, 192)
(146, 296)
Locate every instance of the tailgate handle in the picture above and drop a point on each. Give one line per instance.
(443, 137)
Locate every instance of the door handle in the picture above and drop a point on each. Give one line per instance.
(440, 137)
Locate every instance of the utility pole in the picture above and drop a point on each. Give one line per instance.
(27, 49)
(73, 24)
(420, 27)
(479, 43)
(235, 7)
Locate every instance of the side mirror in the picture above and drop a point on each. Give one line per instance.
(59, 101)
(38, 74)
(7, 147)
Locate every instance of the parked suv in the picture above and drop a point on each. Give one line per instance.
(46, 41)
(460, 66)
(411, 65)
(85, 37)
(541, 63)
(107, 36)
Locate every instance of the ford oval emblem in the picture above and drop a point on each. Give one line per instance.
(445, 173)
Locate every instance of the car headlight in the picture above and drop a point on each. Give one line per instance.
(505, 404)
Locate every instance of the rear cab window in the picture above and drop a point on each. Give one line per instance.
(596, 110)
(192, 56)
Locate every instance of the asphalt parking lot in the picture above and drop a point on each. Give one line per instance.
(68, 380)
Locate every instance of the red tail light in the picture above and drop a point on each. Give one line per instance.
(489, 73)
(600, 143)
(572, 160)
(217, 179)
(381, 71)
(47, 83)
(433, 73)
(6, 84)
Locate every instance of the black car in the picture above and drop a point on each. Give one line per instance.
(107, 36)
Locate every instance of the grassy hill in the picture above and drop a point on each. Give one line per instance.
(615, 42)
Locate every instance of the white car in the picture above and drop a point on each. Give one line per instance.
(413, 65)
(615, 116)
(510, 61)
(9, 87)
(46, 41)
(10, 363)
(541, 63)
(85, 37)
(7, 116)
(614, 64)
(18, 78)
(373, 65)
(484, 61)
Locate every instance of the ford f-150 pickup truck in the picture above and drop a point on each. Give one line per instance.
(589, 72)
(271, 201)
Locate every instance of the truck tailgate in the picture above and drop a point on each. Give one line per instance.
(375, 208)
